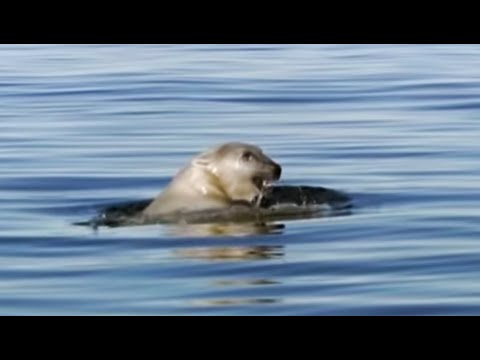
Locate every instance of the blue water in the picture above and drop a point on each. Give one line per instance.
(397, 127)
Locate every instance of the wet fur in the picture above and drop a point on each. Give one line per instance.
(216, 179)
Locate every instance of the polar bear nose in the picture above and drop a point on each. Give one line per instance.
(277, 171)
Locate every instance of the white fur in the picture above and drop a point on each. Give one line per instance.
(215, 179)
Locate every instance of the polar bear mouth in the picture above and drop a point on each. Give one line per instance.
(262, 183)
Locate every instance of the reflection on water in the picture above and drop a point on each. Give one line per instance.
(234, 302)
(233, 253)
(228, 300)
(225, 229)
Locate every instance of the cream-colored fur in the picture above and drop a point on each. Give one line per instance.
(233, 173)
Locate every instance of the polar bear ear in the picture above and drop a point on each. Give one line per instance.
(204, 160)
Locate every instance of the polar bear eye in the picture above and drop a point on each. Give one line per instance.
(247, 156)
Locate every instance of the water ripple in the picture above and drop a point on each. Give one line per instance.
(395, 126)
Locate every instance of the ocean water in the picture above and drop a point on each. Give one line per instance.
(395, 126)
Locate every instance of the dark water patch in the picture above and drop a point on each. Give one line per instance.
(287, 100)
(70, 183)
(43, 274)
(472, 105)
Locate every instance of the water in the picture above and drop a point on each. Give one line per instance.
(397, 127)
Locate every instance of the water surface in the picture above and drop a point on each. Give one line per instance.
(397, 127)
